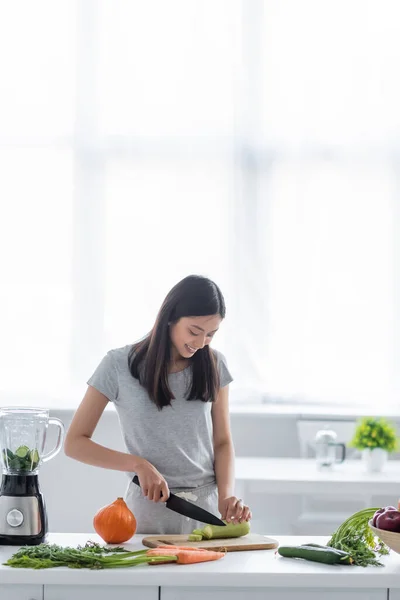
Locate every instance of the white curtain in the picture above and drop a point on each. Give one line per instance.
(252, 141)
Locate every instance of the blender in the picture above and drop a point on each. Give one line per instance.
(23, 432)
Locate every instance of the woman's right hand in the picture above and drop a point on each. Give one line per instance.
(153, 484)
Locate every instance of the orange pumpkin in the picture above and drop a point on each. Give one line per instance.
(115, 523)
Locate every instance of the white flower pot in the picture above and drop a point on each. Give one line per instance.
(374, 459)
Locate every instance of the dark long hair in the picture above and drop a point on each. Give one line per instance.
(149, 359)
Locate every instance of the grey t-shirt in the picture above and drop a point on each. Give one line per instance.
(178, 439)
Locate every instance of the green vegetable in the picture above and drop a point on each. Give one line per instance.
(231, 530)
(328, 556)
(90, 556)
(34, 458)
(355, 537)
(23, 459)
(22, 451)
(14, 464)
(193, 537)
(7, 455)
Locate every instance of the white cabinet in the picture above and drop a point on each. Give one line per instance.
(21, 592)
(223, 593)
(394, 594)
(98, 592)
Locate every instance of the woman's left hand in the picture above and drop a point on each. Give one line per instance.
(233, 510)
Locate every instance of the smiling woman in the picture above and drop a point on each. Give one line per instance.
(195, 304)
(187, 325)
(170, 390)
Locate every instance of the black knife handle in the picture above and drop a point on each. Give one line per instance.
(188, 509)
(136, 480)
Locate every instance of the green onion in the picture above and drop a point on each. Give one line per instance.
(90, 556)
(355, 537)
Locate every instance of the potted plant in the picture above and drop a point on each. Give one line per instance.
(376, 438)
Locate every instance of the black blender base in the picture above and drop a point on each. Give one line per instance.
(23, 486)
(22, 540)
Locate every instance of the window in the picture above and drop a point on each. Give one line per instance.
(253, 141)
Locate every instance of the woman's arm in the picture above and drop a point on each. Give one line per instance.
(224, 453)
(230, 507)
(79, 445)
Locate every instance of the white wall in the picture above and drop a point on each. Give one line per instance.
(74, 491)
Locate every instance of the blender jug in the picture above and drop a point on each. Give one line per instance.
(23, 433)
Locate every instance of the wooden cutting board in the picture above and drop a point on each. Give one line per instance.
(251, 541)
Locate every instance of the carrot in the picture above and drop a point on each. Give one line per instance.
(184, 556)
(162, 552)
(184, 548)
(188, 557)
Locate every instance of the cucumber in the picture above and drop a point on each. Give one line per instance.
(325, 555)
(34, 459)
(22, 452)
(231, 530)
(22, 459)
(314, 546)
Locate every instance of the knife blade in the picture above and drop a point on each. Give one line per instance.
(188, 509)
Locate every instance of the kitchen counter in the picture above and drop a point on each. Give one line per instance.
(301, 476)
(251, 569)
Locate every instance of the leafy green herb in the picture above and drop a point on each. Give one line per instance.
(355, 537)
(90, 556)
(23, 459)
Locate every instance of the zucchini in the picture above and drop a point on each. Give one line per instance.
(325, 555)
(231, 530)
(194, 537)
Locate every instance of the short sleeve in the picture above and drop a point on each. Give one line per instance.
(224, 375)
(105, 379)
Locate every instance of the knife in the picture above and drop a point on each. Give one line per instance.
(188, 509)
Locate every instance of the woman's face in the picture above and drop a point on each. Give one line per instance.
(190, 334)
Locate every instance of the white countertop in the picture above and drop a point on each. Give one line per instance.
(298, 476)
(260, 568)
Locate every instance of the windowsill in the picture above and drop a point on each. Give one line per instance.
(69, 402)
(311, 411)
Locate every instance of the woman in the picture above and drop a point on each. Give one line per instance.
(170, 391)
